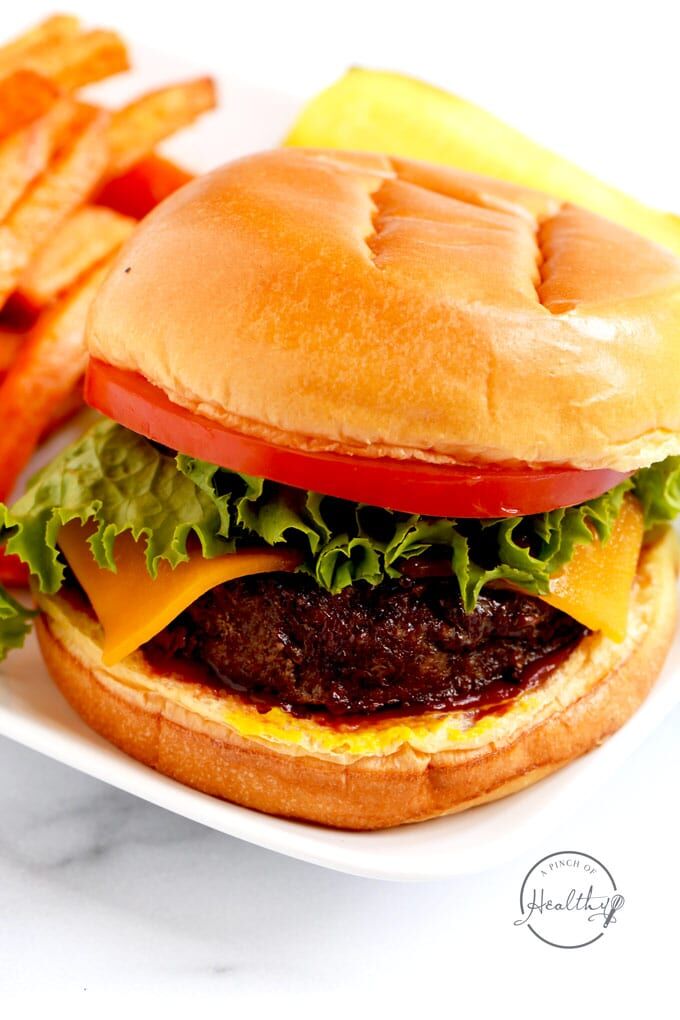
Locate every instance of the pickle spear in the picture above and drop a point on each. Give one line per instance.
(388, 112)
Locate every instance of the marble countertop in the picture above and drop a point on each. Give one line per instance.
(103, 896)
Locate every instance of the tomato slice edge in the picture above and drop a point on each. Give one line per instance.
(411, 486)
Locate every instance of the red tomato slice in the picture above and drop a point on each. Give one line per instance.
(409, 485)
(13, 572)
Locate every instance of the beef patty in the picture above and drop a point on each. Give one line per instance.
(405, 644)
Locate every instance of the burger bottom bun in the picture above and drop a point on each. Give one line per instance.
(591, 694)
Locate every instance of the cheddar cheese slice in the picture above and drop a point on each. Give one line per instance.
(133, 607)
(595, 586)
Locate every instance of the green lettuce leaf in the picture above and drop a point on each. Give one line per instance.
(117, 481)
(15, 623)
(658, 489)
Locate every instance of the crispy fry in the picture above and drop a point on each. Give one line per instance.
(24, 95)
(140, 189)
(68, 182)
(74, 60)
(49, 365)
(51, 32)
(139, 127)
(10, 342)
(26, 153)
(86, 59)
(23, 156)
(64, 411)
(84, 238)
(56, 153)
(11, 259)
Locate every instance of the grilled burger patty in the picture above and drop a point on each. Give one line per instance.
(404, 645)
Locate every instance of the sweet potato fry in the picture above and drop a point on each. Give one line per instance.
(11, 261)
(136, 129)
(85, 59)
(84, 238)
(26, 153)
(10, 342)
(57, 156)
(47, 368)
(63, 412)
(68, 182)
(74, 60)
(50, 32)
(24, 95)
(139, 190)
(23, 156)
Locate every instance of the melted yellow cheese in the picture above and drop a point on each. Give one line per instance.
(133, 607)
(595, 586)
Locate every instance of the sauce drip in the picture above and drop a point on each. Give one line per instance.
(497, 698)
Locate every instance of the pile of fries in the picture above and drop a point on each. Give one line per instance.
(74, 180)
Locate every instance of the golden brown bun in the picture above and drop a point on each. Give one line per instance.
(358, 303)
(180, 732)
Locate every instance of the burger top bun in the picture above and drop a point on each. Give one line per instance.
(360, 303)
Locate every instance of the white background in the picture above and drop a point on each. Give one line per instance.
(102, 895)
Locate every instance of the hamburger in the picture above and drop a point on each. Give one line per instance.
(375, 524)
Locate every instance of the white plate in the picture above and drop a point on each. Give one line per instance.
(33, 713)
